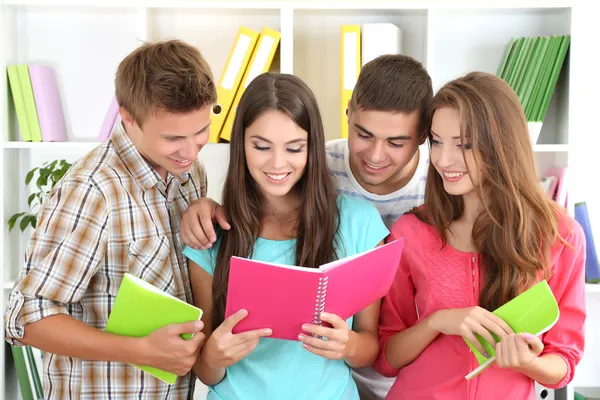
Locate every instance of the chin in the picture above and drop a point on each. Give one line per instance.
(457, 190)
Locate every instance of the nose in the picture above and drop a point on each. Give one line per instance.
(279, 160)
(446, 157)
(189, 152)
(377, 152)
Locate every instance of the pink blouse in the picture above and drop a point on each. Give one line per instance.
(431, 278)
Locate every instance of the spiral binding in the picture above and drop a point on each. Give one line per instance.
(320, 300)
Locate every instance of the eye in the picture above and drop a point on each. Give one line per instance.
(172, 139)
(298, 150)
(435, 142)
(362, 136)
(396, 145)
(260, 148)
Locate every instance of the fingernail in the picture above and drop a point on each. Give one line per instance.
(304, 327)
(528, 336)
(324, 314)
(267, 331)
(199, 325)
(301, 337)
(486, 355)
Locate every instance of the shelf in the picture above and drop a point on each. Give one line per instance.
(50, 146)
(550, 148)
(592, 287)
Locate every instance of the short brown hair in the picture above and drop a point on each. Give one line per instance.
(394, 82)
(169, 75)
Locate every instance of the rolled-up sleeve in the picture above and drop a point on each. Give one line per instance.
(566, 338)
(64, 253)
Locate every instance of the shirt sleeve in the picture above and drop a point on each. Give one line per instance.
(206, 259)
(64, 253)
(398, 310)
(566, 338)
(360, 224)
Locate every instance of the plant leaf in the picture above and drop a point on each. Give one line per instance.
(12, 221)
(24, 222)
(29, 176)
(30, 199)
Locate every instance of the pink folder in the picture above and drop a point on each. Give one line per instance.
(562, 189)
(283, 297)
(47, 103)
(111, 119)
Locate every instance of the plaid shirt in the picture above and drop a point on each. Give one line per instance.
(110, 214)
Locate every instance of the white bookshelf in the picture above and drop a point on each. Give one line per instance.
(84, 41)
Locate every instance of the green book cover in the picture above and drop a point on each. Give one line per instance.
(19, 102)
(543, 77)
(511, 68)
(523, 65)
(553, 77)
(27, 92)
(534, 311)
(34, 373)
(533, 75)
(18, 353)
(529, 67)
(140, 308)
(501, 69)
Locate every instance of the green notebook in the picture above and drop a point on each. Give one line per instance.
(140, 308)
(534, 311)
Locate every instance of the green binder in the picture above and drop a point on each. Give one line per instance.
(140, 308)
(534, 311)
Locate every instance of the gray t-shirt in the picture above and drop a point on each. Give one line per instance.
(371, 385)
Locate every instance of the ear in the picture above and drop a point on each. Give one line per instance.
(349, 110)
(127, 118)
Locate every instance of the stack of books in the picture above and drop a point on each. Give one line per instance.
(531, 66)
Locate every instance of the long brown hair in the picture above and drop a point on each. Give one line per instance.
(316, 240)
(519, 223)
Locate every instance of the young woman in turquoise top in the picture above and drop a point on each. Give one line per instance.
(283, 208)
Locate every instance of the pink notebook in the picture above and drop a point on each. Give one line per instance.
(283, 297)
(47, 103)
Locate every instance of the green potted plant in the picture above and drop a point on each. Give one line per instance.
(47, 176)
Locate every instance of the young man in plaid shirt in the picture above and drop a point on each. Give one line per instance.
(117, 210)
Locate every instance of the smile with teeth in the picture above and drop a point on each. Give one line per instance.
(375, 167)
(454, 174)
(277, 177)
(182, 162)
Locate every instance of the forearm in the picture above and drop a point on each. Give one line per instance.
(548, 369)
(64, 335)
(404, 347)
(208, 375)
(363, 349)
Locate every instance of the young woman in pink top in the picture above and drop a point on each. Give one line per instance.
(486, 232)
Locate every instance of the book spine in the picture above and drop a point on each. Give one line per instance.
(320, 300)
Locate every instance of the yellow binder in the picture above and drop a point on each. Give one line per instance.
(230, 79)
(261, 60)
(350, 68)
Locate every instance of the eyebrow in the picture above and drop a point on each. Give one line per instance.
(268, 141)
(183, 137)
(399, 137)
(433, 133)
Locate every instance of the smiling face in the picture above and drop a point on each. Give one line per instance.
(169, 142)
(276, 153)
(455, 166)
(383, 148)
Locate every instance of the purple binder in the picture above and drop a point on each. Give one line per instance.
(47, 103)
